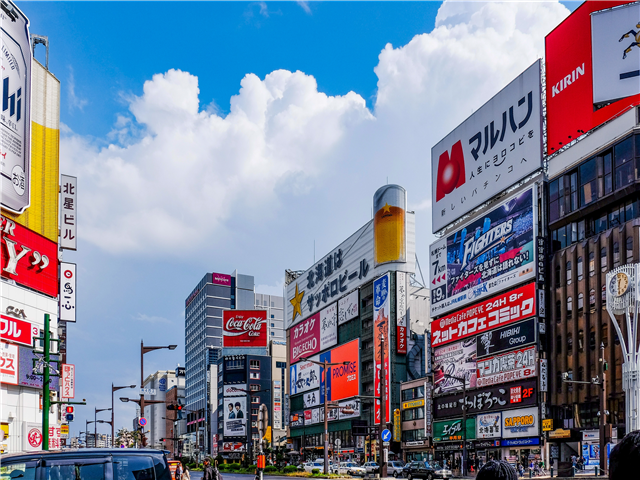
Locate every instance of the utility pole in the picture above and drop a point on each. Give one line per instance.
(603, 413)
(383, 411)
(45, 384)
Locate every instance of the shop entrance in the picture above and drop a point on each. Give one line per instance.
(524, 456)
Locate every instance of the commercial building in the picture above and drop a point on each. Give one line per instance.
(204, 309)
(175, 420)
(339, 310)
(161, 382)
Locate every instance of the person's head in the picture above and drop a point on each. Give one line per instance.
(207, 461)
(237, 405)
(231, 407)
(497, 470)
(625, 457)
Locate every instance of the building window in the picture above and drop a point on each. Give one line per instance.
(604, 334)
(569, 344)
(616, 217)
(605, 178)
(556, 199)
(603, 259)
(254, 375)
(580, 340)
(254, 411)
(625, 170)
(581, 230)
(601, 224)
(571, 188)
(255, 399)
(588, 189)
(604, 296)
(616, 254)
(581, 377)
(568, 273)
(592, 339)
(580, 269)
(592, 264)
(558, 382)
(412, 414)
(580, 304)
(557, 275)
(592, 301)
(254, 364)
(569, 308)
(558, 311)
(254, 388)
(629, 257)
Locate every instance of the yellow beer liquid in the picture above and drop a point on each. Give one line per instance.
(388, 231)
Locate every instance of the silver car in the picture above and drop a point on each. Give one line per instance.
(395, 468)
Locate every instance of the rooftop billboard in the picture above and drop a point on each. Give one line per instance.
(498, 145)
(244, 328)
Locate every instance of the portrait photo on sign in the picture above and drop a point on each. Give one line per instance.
(235, 416)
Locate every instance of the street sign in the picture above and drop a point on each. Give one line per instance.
(64, 429)
(147, 391)
(142, 421)
(386, 435)
(337, 442)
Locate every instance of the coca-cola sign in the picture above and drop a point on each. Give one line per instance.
(245, 328)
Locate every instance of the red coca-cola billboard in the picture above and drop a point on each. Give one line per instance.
(244, 328)
(28, 258)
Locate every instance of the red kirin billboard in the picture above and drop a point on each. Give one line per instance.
(244, 328)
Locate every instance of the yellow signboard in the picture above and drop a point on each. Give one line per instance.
(64, 429)
(547, 424)
(397, 425)
(267, 434)
(413, 404)
(560, 433)
(4, 431)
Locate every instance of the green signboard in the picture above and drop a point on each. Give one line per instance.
(451, 430)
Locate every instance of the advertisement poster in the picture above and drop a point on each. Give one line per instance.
(489, 399)
(244, 328)
(68, 381)
(503, 137)
(401, 313)
(457, 360)
(304, 376)
(507, 367)
(353, 404)
(507, 338)
(520, 423)
(348, 307)
(381, 328)
(235, 417)
(344, 380)
(17, 331)
(297, 419)
(489, 425)
(31, 367)
(9, 363)
(15, 169)
(451, 430)
(311, 399)
(508, 307)
(235, 390)
(315, 334)
(485, 256)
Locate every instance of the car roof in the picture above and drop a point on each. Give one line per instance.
(79, 452)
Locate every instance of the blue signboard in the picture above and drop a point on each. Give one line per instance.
(518, 442)
(386, 435)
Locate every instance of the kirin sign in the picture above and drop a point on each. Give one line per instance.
(245, 328)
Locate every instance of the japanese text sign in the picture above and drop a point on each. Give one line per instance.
(516, 394)
(68, 212)
(506, 338)
(381, 328)
(508, 307)
(304, 376)
(27, 258)
(68, 381)
(454, 360)
(507, 367)
(348, 307)
(489, 425)
(492, 252)
(451, 430)
(17, 331)
(31, 368)
(401, 313)
(499, 144)
(244, 328)
(9, 363)
(15, 124)
(315, 334)
(68, 292)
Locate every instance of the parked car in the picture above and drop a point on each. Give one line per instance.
(95, 463)
(311, 465)
(425, 470)
(349, 468)
(372, 467)
(302, 466)
(395, 468)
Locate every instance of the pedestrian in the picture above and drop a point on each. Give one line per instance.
(520, 470)
(179, 471)
(625, 457)
(497, 470)
(185, 473)
(208, 473)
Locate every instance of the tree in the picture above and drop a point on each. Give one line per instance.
(127, 438)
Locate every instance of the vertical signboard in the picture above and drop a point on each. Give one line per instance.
(543, 375)
(15, 118)
(381, 317)
(277, 404)
(67, 292)
(9, 363)
(244, 328)
(68, 387)
(68, 212)
(348, 307)
(401, 312)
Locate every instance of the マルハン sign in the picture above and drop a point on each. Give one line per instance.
(499, 144)
(506, 338)
(495, 398)
(485, 256)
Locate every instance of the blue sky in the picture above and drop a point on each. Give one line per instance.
(215, 136)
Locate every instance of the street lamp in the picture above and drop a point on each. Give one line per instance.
(113, 422)
(324, 365)
(464, 419)
(95, 423)
(145, 349)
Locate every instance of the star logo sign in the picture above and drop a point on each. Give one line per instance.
(296, 301)
(386, 208)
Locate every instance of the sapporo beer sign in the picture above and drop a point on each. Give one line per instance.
(508, 307)
(496, 398)
(245, 328)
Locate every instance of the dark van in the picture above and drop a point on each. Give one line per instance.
(86, 464)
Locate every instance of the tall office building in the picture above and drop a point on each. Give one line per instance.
(215, 293)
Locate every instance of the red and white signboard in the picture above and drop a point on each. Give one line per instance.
(9, 359)
(508, 307)
(244, 328)
(315, 334)
(569, 53)
(68, 385)
(17, 331)
(68, 292)
(507, 367)
(233, 447)
(33, 437)
(27, 258)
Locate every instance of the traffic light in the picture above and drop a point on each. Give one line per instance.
(70, 413)
(174, 406)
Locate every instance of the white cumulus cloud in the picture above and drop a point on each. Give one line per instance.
(179, 176)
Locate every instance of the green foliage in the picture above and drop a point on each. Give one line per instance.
(315, 471)
(220, 460)
(270, 468)
(290, 469)
(234, 466)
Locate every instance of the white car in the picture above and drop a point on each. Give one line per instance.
(311, 465)
(348, 468)
(395, 468)
(372, 467)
